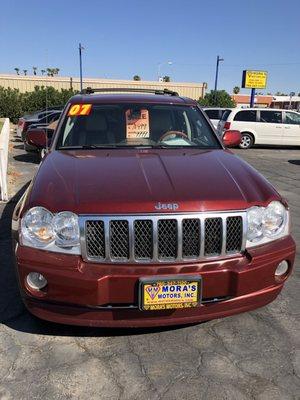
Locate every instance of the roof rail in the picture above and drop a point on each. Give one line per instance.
(90, 90)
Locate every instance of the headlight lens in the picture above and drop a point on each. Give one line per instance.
(65, 225)
(255, 229)
(60, 232)
(37, 227)
(274, 219)
(266, 223)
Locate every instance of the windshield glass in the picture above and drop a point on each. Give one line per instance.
(135, 125)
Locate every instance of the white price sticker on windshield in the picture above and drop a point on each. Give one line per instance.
(137, 124)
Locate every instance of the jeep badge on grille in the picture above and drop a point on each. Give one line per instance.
(167, 206)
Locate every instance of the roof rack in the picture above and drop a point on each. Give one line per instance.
(168, 92)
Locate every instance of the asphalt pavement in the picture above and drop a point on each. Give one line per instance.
(255, 355)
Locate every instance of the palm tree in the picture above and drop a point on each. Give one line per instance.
(236, 90)
(137, 78)
(34, 70)
(25, 71)
(55, 71)
(166, 78)
(50, 71)
(42, 71)
(17, 71)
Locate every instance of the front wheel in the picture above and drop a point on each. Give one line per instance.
(247, 141)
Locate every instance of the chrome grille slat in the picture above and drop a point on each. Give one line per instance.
(168, 238)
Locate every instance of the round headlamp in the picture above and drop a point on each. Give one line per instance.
(66, 229)
(274, 219)
(37, 226)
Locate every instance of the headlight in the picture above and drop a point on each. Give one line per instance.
(37, 227)
(65, 225)
(254, 219)
(265, 224)
(41, 229)
(274, 219)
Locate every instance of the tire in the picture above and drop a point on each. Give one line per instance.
(247, 141)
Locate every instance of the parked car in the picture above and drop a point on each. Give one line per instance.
(45, 122)
(263, 126)
(215, 114)
(34, 118)
(139, 216)
(41, 133)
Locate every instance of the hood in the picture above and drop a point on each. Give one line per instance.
(144, 181)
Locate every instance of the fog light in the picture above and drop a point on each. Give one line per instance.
(282, 268)
(36, 281)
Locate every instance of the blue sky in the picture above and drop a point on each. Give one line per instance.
(124, 38)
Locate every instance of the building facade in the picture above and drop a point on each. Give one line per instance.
(284, 102)
(27, 84)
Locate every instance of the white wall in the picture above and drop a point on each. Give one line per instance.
(4, 140)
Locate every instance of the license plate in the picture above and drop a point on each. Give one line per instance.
(171, 292)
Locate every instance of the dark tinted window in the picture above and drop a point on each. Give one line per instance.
(272, 117)
(246, 115)
(292, 118)
(50, 118)
(213, 114)
(225, 115)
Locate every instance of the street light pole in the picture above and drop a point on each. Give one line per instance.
(159, 68)
(217, 71)
(80, 64)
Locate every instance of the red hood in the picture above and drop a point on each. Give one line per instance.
(131, 181)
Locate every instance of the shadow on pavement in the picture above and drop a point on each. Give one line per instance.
(27, 157)
(295, 162)
(12, 311)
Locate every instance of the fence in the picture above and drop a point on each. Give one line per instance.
(4, 140)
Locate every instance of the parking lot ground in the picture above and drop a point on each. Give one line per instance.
(255, 355)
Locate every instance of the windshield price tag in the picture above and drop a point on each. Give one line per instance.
(79, 109)
(137, 124)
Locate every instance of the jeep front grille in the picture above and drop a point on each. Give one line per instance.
(162, 238)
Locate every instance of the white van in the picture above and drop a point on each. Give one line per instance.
(262, 126)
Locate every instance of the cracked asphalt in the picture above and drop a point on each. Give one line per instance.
(255, 355)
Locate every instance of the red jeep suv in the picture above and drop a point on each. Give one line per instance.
(139, 216)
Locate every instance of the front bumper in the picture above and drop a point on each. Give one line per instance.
(81, 293)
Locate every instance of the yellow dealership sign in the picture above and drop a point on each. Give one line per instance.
(254, 79)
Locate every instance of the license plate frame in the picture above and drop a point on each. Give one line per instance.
(170, 280)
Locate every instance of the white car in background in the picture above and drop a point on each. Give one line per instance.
(215, 114)
(266, 126)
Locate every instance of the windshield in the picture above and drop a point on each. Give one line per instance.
(135, 125)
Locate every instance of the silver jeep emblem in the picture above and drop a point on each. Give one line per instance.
(167, 206)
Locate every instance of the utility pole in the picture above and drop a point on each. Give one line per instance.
(252, 98)
(80, 64)
(219, 59)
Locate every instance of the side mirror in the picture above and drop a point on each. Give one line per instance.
(39, 137)
(231, 138)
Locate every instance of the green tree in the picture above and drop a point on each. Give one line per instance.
(34, 70)
(219, 98)
(236, 90)
(14, 104)
(17, 71)
(137, 78)
(42, 71)
(25, 71)
(166, 78)
(50, 71)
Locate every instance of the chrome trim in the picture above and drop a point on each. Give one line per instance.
(155, 218)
